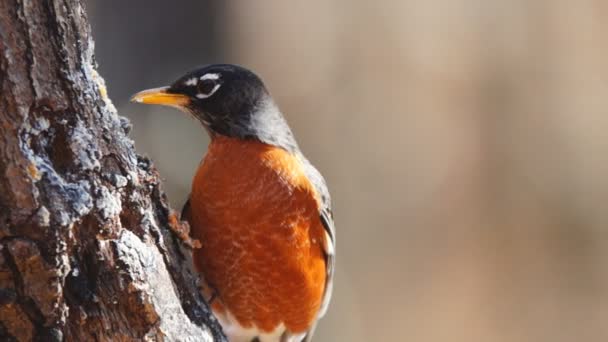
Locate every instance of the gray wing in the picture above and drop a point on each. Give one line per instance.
(327, 219)
(330, 259)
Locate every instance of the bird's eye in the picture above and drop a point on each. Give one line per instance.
(205, 86)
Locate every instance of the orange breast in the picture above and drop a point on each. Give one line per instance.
(257, 217)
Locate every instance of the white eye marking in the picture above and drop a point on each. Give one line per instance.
(210, 77)
(191, 82)
(204, 96)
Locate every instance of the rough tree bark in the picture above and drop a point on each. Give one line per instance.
(89, 249)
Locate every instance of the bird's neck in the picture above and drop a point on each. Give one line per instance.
(267, 125)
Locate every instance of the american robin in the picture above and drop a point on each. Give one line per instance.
(259, 208)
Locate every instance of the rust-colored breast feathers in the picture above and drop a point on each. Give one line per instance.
(257, 217)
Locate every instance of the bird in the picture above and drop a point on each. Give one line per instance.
(261, 211)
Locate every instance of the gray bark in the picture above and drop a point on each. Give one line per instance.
(89, 249)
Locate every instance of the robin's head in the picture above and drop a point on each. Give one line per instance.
(228, 100)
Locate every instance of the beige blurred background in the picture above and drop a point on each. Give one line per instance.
(464, 142)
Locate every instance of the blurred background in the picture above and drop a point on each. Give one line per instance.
(464, 143)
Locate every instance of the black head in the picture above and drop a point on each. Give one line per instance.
(228, 100)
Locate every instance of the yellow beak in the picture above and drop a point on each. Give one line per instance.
(160, 96)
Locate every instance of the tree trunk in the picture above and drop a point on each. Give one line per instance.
(89, 249)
